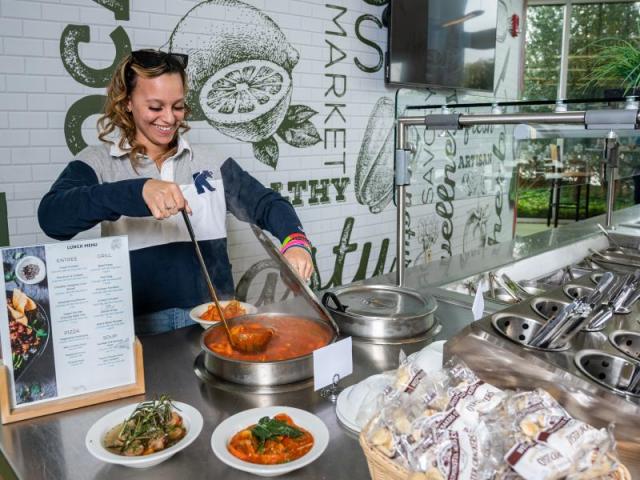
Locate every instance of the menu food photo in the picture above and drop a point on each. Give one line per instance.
(67, 327)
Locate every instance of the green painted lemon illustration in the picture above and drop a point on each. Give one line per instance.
(247, 100)
(229, 42)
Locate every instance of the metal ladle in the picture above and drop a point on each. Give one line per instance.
(244, 338)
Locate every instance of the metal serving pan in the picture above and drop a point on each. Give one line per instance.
(278, 372)
(259, 373)
(380, 311)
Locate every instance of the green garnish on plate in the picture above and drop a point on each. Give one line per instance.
(268, 428)
(148, 420)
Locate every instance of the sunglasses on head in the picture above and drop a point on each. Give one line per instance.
(155, 58)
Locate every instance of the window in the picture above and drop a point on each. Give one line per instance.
(563, 38)
(580, 29)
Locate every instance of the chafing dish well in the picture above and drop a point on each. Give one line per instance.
(547, 307)
(627, 342)
(521, 329)
(610, 371)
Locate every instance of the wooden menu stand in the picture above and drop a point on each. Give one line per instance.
(10, 415)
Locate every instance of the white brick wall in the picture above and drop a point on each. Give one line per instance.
(36, 92)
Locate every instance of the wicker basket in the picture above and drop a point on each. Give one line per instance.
(382, 467)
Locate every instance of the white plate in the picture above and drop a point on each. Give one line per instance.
(344, 411)
(192, 420)
(232, 425)
(200, 309)
(362, 396)
(31, 260)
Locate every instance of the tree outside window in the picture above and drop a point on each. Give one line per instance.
(592, 26)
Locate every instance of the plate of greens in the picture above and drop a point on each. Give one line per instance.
(141, 435)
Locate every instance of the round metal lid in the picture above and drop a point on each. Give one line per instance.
(384, 301)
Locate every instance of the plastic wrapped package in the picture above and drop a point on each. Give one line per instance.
(532, 412)
(537, 461)
(547, 443)
(449, 424)
(366, 398)
(431, 423)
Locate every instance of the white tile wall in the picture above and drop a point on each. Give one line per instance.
(36, 91)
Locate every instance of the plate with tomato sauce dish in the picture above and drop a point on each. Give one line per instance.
(207, 315)
(270, 441)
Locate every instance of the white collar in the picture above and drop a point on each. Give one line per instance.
(116, 151)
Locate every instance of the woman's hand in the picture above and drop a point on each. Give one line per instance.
(301, 262)
(164, 198)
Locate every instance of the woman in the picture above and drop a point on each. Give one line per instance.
(138, 182)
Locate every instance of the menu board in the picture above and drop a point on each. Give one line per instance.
(67, 326)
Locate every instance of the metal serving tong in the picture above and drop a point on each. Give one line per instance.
(513, 289)
(634, 383)
(609, 236)
(566, 321)
(621, 298)
(515, 286)
(564, 326)
(494, 281)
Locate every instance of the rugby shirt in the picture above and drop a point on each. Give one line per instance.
(101, 186)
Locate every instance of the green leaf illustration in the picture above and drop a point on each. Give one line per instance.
(267, 151)
(300, 136)
(9, 276)
(297, 115)
(18, 255)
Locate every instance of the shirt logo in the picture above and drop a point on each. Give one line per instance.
(201, 182)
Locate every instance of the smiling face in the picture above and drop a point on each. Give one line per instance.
(157, 106)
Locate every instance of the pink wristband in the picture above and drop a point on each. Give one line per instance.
(294, 243)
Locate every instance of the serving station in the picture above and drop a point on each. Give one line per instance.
(53, 446)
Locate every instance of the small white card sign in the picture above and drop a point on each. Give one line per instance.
(334, 359)
(67, 325)
(478, 301)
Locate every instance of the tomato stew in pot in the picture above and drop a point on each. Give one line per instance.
(293, 337)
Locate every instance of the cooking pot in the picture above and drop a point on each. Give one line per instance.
(380, 311)
(260, 373)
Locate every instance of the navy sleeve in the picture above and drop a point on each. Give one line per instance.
(252, 202)
(78, 202)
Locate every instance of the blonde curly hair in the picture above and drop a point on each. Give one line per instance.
(116, 114)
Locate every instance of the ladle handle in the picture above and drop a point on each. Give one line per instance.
(338, 306)
(205, 272)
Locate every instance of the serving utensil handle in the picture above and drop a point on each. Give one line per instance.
(205, 272)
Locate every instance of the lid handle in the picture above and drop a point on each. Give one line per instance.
(338, 306)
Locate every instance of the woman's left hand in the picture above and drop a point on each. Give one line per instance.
(301, 261)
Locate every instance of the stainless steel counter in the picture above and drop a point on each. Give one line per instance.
(52, 447)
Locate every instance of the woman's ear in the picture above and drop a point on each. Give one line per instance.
(129, 105)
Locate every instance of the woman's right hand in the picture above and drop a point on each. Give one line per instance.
(164, 199)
